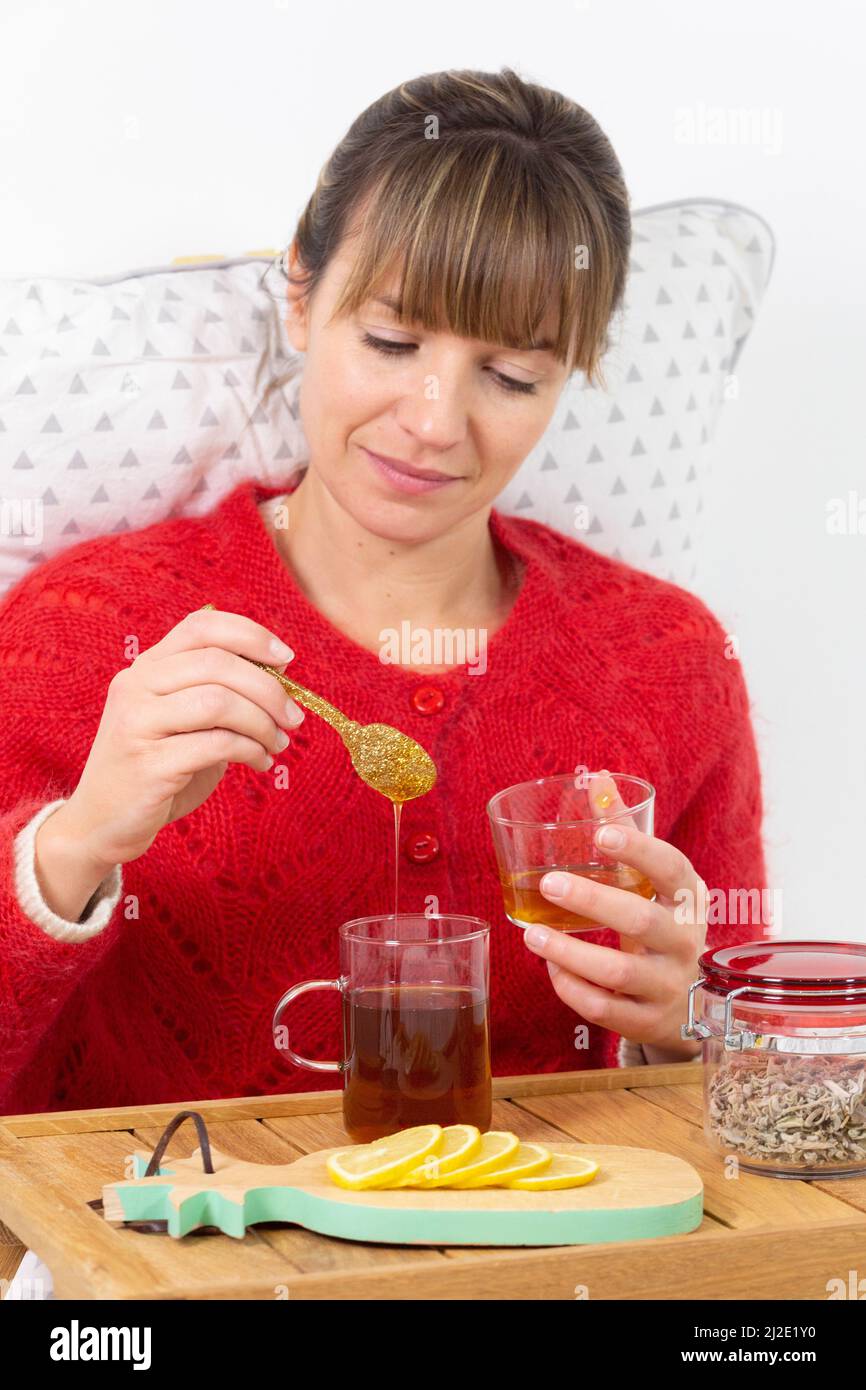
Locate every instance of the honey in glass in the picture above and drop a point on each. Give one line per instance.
(526, 905)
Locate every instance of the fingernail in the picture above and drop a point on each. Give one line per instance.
(269, 764)
(536, 936)
(281, 741)
(610, 837)
(554, 884)
(605, 790)
(279, 650)
(294, 713)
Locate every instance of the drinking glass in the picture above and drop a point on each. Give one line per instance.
(416, 1047)
(549, 824)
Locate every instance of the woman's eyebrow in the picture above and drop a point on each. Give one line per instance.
(543, 345)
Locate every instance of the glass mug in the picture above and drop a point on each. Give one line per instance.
(416, 1046)
(549, 824)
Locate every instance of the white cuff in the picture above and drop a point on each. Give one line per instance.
(630, 1054)
(635, 1054)
(98, 910)
(654, 1055)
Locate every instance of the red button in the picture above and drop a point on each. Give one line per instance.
(421, 847)
(428, 699)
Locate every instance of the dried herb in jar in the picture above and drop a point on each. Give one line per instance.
(794, 1109)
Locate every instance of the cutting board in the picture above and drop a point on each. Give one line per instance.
(637, 1194)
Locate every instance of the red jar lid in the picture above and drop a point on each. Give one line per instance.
(834, 972)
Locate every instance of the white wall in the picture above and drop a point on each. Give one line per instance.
(133, 133)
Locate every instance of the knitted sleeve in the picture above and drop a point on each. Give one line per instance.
(715, 755)
(719, 829)
(49, 673)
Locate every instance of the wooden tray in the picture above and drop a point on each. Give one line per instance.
(637, 1194)
(760, 1238)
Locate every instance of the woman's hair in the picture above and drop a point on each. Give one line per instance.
(495, 199)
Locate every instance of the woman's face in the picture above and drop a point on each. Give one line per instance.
(465, 411)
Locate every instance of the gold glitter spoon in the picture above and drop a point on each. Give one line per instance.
(387, 760)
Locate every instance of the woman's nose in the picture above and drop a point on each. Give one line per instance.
(434, 412)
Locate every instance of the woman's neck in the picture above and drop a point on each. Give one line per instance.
(365, 585)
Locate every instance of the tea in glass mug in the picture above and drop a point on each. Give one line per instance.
(416, 1044)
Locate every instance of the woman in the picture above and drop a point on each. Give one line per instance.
(177, 847)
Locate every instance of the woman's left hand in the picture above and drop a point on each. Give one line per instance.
(640, 991)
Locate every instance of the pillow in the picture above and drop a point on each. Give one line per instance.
(622, 469)
(148, 395)
(127, 400)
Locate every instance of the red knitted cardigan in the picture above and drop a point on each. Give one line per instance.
(597, 665)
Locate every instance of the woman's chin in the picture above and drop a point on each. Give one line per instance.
(391, 519)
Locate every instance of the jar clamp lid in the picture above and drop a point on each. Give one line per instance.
(827, 973)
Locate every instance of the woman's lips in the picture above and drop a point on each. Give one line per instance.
(405, 482)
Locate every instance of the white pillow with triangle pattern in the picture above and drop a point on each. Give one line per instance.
(133, 398)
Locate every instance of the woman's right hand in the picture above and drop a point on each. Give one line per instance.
(173, 720)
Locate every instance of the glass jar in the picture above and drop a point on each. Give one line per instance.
(783, 1027)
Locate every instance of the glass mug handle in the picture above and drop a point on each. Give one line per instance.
(290, 994)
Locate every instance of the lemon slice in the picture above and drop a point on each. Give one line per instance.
(494, 1150)
(459, 1143)
(527, 1159)
(384, 1160)
(564, 1170)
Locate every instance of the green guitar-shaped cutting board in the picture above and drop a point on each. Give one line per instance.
(637, 1194)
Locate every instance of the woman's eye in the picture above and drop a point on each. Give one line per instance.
(386, 345)
(509, 384)
(392, 349)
